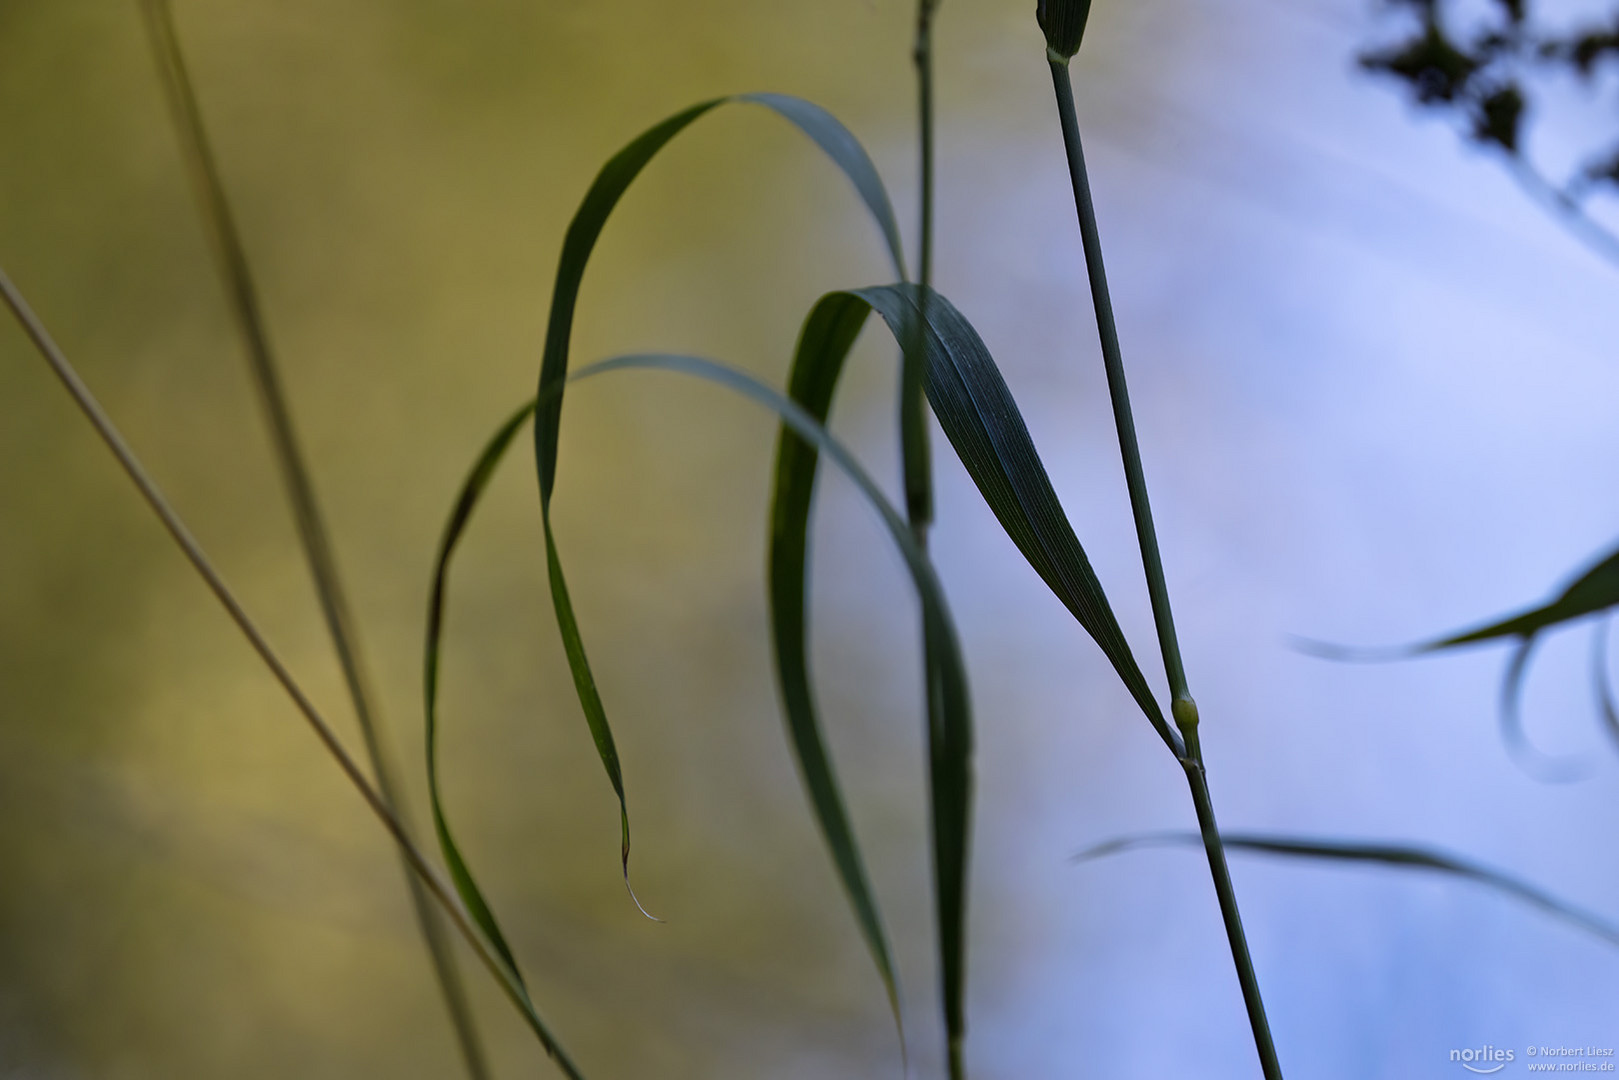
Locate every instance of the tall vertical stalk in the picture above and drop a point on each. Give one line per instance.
(1064, 26)
(950, 874)
(913, 403)
(312, 532)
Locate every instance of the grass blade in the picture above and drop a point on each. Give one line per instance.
(1401, 856)
(609, 186)
(980, 418)
(1594, 591)
(246, 311)
(466, 502)
(950, 735)
(953, 762)
(828, 334)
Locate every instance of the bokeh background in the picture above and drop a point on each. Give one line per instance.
(1375, 388)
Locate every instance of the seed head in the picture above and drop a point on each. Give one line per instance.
(1064, 24)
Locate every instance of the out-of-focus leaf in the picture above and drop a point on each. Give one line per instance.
(472, 489)
(1601, 685)
(1596, 590)
(609, 186)
(1396, 855)
(1552, 769)
(955, 739)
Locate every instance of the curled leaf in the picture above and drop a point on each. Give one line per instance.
(1593, 591)
(609, 186)
(955, 738)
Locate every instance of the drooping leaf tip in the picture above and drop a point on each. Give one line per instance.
(636, 900)
(1064, 24)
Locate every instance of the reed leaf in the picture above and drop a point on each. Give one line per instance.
(609, 186)
(956, 741)
(1601, 685)
(1400, 856)
(1594, 591)
(980, 418)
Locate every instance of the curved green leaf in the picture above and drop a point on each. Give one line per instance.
(609, 186)
(1593, 591)
(1396, 855)
(950, 735)
(979, 416)
(955, 710)
(1597, 589)
(460, 874)
(825, 340)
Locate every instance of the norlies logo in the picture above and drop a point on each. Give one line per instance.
(1483, 1060)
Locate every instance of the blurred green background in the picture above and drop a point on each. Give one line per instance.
(187, 888)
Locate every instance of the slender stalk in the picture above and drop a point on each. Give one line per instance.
(418, 863)
(1183, 708)
(312, 532)
(913, 407)
(951, 898)
(1214, 848)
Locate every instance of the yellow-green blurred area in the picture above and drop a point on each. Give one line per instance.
(1328, 307)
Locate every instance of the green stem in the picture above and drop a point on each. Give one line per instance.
(913, 407)
(312, 532)
(919, 507)
(1113, 362)
(1214, 848)
(1183, 707)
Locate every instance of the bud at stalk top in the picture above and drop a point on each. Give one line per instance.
(1064, 24)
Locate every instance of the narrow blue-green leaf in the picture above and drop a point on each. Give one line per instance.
(609, 186)
(953, 689)
(1396, 855)
(472, 489)
(828, 333)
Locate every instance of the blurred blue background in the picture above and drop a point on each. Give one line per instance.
(1374, 387)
